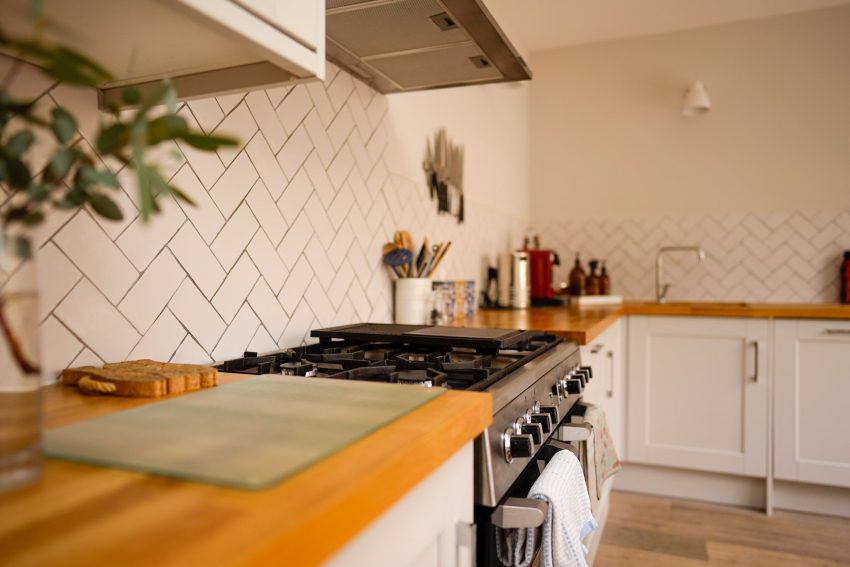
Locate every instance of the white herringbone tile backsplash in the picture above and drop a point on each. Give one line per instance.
(786, 257)
(286, 237)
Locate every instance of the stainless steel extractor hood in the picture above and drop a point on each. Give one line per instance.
(412, 45)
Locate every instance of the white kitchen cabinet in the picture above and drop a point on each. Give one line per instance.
(431, 526)
(698, 393)
(207, 47)
(812, 401)
(605, 355)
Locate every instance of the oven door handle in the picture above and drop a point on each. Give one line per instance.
(520, 513)
(575, 432)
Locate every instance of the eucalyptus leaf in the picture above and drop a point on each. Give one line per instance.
(33, 218)
(22, 247)
(38, 192)
(35, 8)
(181, 195)
(105, 207)
(168, 127)
(207, 143)
(69, 66)
(64, 125)
(19, 143)
(112, 138)
(18, 173)
(169, 96)
(61, 162)
(131, 96)
(99, 176)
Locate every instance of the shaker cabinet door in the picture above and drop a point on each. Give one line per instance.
(812, 401)
(698, 393)
(605, 355)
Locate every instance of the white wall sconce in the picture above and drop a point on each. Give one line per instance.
(696, 100)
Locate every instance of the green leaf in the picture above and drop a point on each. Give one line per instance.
(166, 127)
(18, 173)
(35, 8)
(33, 218)
(131, 96)
(61, 162)
(169, 96)
(37, 192)
(22, 248)
(112, 138)
(181, 195)
(69, 66)
(105, 207)
(64, 125)
(76, 196)
(99, 177)
(207, 143)
(19, 143)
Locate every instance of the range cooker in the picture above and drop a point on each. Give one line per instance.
(535, 380)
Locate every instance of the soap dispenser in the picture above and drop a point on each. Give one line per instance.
(577, 277)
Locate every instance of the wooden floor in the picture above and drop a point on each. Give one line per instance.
(659, 532)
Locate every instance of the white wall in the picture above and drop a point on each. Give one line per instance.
(762, 182)
(608, 137)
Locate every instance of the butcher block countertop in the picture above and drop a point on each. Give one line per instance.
(87, 515)
(584, 324)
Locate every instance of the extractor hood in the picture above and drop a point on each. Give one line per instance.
(412, 45)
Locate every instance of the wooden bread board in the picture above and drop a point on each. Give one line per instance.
(141, 378)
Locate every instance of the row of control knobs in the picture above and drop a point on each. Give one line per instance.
(521, 440)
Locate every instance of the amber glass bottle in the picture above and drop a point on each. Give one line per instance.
(604, 281)
(591, 284)
(577, 277)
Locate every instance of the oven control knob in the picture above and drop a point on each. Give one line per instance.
(572, 386)
(534, 430)
(516, 445)
(522, 446)
(544, 420)
(588, 370)
(553, 413)
(581, 375)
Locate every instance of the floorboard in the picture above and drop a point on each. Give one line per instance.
(651, 530)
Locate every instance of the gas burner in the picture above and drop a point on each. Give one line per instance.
(333, 355)
(422, 358)
(427, 377)
(298, 368)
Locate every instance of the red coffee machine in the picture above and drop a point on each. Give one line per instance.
(541, 265)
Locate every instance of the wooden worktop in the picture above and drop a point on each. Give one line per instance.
(86, 515)
(584, 324)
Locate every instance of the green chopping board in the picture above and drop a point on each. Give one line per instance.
(250, 434)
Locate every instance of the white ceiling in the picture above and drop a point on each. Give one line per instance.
(533, 25)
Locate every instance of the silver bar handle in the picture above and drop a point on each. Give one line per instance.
(575, 432)
(520, 513)
(610, 392)
(837, 331)
(756, 361)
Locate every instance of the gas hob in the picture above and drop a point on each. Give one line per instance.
(455, 358)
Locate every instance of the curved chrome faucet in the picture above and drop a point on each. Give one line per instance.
(661, 289)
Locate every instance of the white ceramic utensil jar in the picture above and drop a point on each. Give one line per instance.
(411, 300)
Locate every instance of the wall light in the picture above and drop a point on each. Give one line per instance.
(696, 100)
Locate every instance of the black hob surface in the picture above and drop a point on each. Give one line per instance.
(457, 358)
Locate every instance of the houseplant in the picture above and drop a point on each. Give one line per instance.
(72, 178)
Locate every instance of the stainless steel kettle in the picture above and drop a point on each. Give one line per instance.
(514, 280)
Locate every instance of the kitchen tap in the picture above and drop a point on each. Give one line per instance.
(662, 288)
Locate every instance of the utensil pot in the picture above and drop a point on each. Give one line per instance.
(411, 300)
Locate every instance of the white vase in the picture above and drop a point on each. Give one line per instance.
(20, 376)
